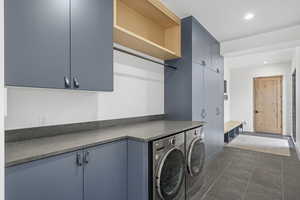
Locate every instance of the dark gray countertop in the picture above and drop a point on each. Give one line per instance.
(34, 149)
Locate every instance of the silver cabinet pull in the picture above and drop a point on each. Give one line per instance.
(203, 63)
(67, 82)
(79, 159)
(76, 83)
(203, 114)
(218, 111)
(86, 158)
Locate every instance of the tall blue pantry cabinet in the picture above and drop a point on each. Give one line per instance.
(195, 90)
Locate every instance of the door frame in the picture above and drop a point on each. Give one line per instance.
(294, 105)
(281, 100)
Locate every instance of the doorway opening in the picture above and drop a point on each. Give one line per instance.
(268, 104)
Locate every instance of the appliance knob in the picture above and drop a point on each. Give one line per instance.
(173, 141)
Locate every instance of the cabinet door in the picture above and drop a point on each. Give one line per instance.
(221, 64)
(92, 44)
(213, 136)
(210, 107)
(215, 55)
(37, 43)
(201, 44)
(58, 178)
(105, 174)
(198, 92)
(220, 112)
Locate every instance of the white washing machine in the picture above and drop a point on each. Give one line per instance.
(169, 168)
(195, 159)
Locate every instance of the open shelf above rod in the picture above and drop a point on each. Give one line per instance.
(144, 58)
(147, 26)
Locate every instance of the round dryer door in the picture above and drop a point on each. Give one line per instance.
(196, 157)
(170, 174)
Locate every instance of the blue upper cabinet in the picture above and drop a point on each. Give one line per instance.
(91, 46)
(198, 89)
(58, 178)
(65, 44)
(36, 43)
(215, 55)
(201, 44)
(105, 172)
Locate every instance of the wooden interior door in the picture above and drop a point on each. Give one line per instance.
(268, 104)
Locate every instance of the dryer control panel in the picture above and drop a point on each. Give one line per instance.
(198, 132)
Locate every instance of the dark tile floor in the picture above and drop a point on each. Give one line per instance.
(237, 174)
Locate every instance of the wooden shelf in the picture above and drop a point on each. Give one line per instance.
(147, 26)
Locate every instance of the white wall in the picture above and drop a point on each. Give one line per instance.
(241, 92)
(138, 91)
(227, 102)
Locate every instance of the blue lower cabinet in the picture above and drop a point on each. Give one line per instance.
(98, 173)
(55, 178)
(105, 172)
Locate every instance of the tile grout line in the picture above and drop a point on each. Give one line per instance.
(282, 185)
(248, 183)
(214, 182)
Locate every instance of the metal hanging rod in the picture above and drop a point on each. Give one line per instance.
(144, 58)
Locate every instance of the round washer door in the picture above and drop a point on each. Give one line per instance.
(170, 174)
(196, 157)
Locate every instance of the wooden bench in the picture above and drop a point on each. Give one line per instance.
(231, 130)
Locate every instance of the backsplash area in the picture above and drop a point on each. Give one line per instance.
(138, 91)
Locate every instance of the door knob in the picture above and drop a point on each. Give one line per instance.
(256, 111)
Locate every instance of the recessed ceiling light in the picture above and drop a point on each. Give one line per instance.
(249, 16)
(266, 62)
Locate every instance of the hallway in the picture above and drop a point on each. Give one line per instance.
(238, 174)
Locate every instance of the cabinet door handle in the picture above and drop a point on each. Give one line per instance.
(76, 82)
(86, 157)
(203, 114)
(67, 82)
(218, 111)
(203, 63)
(79, 159)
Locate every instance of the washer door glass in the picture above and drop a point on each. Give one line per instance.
(170, 175)
(196, 157)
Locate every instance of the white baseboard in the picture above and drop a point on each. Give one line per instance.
(297, 151)
(296, 147)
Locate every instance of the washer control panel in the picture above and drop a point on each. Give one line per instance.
(172, 141)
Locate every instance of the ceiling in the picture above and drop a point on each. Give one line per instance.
(275, 57)
(224, 18)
